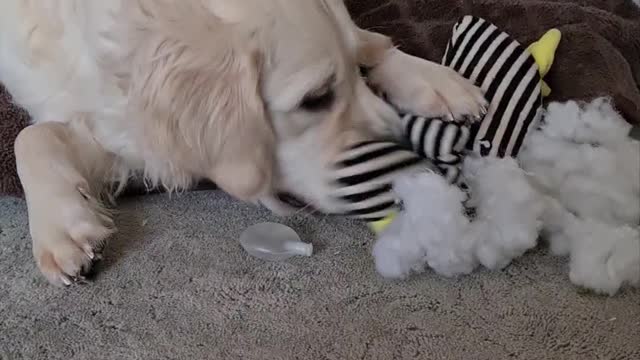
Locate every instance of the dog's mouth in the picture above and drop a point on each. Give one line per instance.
(292, 200)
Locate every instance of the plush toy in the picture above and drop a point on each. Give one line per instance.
(402, 193)
(474, 46)
(544, 51)
(455, 197)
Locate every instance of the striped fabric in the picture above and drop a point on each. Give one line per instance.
(364, 175)
(509, 77)
(440, 141)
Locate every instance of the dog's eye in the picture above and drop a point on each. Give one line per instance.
(318, 102)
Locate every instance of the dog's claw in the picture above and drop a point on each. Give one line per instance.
(80, 280)
(65, 280)
(90, 254)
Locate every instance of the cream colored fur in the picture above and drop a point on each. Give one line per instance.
(178, 91)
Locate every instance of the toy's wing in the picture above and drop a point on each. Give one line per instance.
(508, 75)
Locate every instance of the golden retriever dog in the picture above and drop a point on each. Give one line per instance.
(257, 96)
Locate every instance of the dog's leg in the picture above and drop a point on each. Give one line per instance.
(63, 172)
(412, 84)
(416, 85)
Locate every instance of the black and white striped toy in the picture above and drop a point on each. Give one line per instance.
(442, 142)
(510, 79)
(365, 174)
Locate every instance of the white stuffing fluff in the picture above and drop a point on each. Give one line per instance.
(579, 186)
(603, 257)
(509, 210)
(583, 159)
(431, 230)
(434, 231)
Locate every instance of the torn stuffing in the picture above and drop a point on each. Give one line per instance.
(603, 257)
(433, 229)
(584, 161)
(579, 185)
(508, 210)
(594, 171)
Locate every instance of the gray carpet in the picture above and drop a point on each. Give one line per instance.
(180, 287)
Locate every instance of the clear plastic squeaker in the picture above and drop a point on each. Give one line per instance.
(273, 242)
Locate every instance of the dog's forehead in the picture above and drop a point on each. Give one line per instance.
(297, 13)
(299, 63)
(304, 48)
(303, 27)
(236, 11)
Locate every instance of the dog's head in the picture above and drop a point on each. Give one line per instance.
(259, 96)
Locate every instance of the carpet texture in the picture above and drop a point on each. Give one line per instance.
(175, 284)
(599, 54)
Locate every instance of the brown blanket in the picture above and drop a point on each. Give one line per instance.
(599, 53)
(12, 120)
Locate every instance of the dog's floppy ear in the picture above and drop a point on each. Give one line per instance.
(369, 47)
(196, 87)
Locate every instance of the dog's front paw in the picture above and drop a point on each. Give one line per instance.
(68, 232)
(425, 88)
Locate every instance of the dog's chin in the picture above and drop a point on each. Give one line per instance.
(286, 204)
(292, 200)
